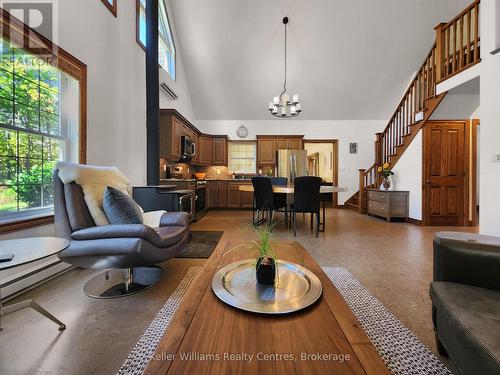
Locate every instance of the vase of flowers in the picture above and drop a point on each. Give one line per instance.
(385, 171)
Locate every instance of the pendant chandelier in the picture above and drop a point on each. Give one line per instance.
(283, 106)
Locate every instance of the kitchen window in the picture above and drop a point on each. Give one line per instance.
(242, 157)
(40, 124)
(166, 47)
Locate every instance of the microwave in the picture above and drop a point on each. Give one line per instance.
(188, 148)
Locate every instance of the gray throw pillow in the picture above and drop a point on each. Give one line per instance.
(120, 208)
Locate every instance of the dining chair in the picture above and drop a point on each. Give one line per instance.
(307, 199)
(264, 199)
(280, 199)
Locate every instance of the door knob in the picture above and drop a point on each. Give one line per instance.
(428, 181)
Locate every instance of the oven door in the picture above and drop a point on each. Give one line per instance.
(187, 204)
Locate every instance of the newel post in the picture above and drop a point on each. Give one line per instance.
(361, 191)
(378, 149)
(440, 51)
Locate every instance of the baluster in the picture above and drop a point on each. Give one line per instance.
(454, 62)
(469, 29)
(447, 52)
(476, 32)
(462, 57)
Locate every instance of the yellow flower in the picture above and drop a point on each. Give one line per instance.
(379, 169)
(386, 165)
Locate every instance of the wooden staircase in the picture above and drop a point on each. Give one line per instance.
(457, 48)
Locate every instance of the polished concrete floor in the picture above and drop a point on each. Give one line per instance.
(393, 260)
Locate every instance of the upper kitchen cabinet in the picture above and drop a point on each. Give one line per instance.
(219, 150)
(205, 150)
(266, 151)
(268, 145)
(172, 127)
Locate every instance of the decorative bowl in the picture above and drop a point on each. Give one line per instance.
(200, 176)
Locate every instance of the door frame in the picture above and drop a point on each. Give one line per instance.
(335, 145)
(470, 170)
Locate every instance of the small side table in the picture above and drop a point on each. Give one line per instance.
(27, 250)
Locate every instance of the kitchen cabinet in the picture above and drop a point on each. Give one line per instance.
(233, 195)
(266, 151)
(217, 194)
(219, 150)
(268, 145)
(205, 150)
(227, 194)
(172, 127)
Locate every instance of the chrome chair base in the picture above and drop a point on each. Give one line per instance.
(122, 282)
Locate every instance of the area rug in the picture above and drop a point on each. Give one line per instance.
(143, 351)
(401, 350)
(201, 245)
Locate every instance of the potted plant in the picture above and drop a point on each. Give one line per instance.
(264, 249)
(385, 171)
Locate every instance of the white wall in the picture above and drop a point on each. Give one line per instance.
(489, 222)
(183, 102)
(408, 176)
(457, 107)
(361, 132)
(116, 125)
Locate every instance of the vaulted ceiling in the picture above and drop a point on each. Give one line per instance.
(348, 59)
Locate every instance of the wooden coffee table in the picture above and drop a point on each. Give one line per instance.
(207, 336)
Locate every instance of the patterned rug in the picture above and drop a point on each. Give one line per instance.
(201, 244)
(401, 350)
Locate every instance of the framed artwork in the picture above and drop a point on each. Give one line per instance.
(353, 148)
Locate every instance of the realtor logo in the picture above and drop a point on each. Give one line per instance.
(39, 15)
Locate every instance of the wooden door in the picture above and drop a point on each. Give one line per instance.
(444, 173)
(266, 151)
(246, 198)
(213, 196)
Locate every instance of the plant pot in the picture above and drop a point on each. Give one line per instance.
(266, 271)
(386, 183)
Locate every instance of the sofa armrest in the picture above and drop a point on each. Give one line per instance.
(467, 258)
(169, 219)
(114, 231)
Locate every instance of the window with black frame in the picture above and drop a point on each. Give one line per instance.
(39, 119)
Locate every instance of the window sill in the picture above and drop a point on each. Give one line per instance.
(27, 223)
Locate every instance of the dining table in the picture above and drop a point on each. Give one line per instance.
(290, 189)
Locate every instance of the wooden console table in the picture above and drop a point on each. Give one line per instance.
(388, 203)
(239, 342)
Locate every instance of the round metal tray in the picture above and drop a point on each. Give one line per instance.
(296, 288)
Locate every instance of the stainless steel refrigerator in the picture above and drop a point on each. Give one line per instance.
(292, 163)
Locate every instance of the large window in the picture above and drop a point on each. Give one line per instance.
(242, 157)
(166, 47)
(39, 125)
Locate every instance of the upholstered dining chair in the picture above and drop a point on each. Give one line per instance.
(280, 199)
(128, 252)
(307, 199)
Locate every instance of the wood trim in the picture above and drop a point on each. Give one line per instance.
(16, 32)
(472, 219)
(458, 71)
(137, 24)
(113, 8)
(335, 143)
(414, 221)
(25, 224)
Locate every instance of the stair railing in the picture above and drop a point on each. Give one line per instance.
(458, 43)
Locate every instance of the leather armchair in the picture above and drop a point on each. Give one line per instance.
(130, 250)
(465, 295)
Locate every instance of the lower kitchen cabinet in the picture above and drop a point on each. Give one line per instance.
(227, 194)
